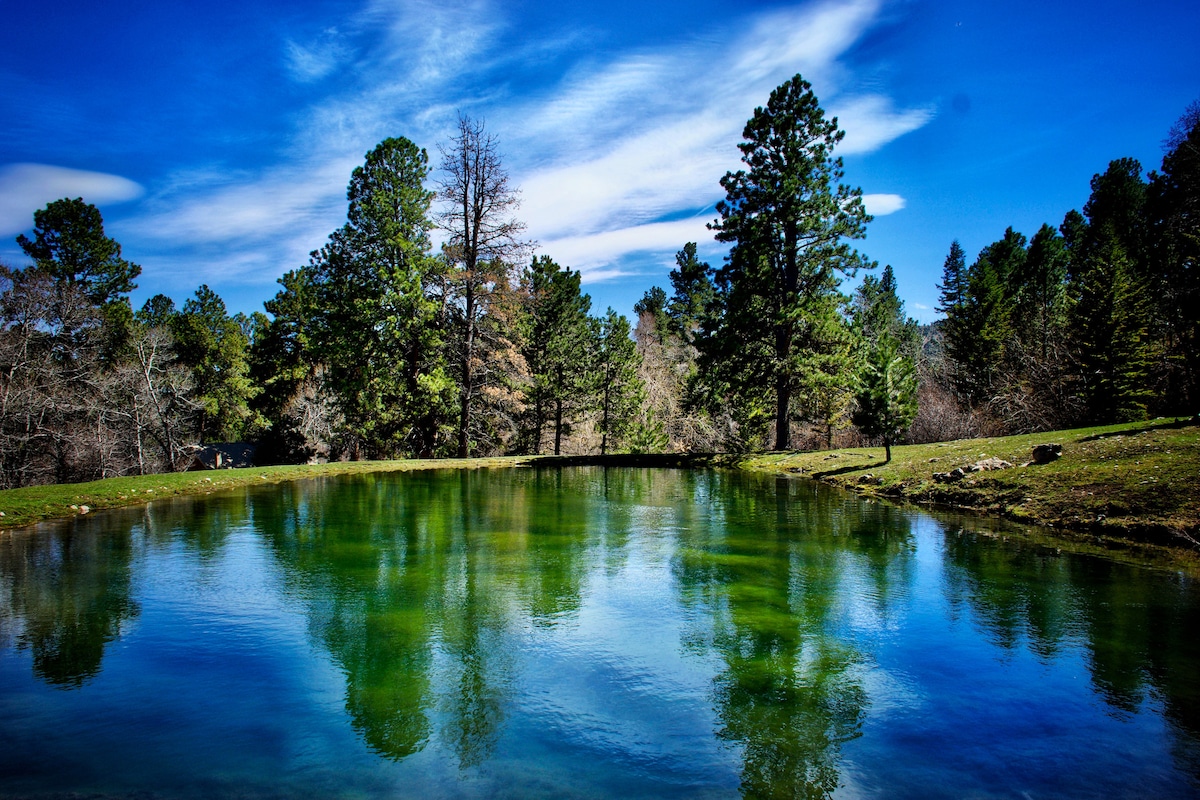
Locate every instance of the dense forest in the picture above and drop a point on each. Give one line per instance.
(383, 347)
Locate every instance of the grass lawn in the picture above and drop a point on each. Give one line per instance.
(35, 503)
(1135, 481)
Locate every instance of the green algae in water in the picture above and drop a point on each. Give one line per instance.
(582, 632)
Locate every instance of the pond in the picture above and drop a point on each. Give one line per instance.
(583, 632)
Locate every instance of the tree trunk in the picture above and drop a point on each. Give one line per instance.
(464, 420)
(887, 450)
(783, 432)
(558, 424)
(604, 418)
(538, 422)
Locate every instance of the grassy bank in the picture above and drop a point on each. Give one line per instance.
(1133, 481)
(36, 503)
(1137, 482)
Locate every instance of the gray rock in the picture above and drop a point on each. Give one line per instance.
(952, 476)
(988, 464)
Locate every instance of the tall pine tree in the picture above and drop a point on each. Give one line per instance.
(620, 390)
(375, 317)
(789, 220)
(558, 351)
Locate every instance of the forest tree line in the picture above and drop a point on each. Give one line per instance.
(382, 347)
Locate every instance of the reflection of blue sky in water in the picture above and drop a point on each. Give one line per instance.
(634, 633)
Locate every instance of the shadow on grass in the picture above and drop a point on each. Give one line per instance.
(849, 468)
(1174, 425)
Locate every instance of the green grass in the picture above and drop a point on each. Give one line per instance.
(1133, 481)
(35, 503)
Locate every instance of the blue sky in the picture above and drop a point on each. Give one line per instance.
(218, 138)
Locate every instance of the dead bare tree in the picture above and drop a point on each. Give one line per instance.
(482, 246)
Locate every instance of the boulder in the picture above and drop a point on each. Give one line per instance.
(988, 464)
(952, 476)
(1045, 453)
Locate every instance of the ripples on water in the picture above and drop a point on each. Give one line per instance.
(583, 632)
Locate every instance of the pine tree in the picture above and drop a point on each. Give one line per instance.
(953, 287)
(887, 393)
(621, 393)
(789, 220)
(692, 294)
(375, 307)
(69, 245)
(215, 348)
(1109, 327)
(1173, 211)
(557, 350)
(1109, 320)
(653, 308)
(1041, 304)
(886, 384)
(878, 311)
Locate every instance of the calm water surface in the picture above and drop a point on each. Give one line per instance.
(583, 632)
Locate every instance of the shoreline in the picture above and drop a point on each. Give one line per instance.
(1128, 484)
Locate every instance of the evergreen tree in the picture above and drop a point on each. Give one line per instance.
(1007, 257)
(825, 375)
(692, 295)
(375, 310)
(789, 220)
(878, 311)
(887, 393)
(886, 384)
(987, 316)
(621, 393)
(214, 347)
(557, 350)
(69, 245)
(1041, 303)
(653, 307)
(978, 304)
(1116, 210)
(1173, 210)
(1109, 327)
(286, 367)
(953, 287)
(1109, 297)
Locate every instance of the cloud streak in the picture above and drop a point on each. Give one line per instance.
(609, 154)
(649, 135)
(25, 188)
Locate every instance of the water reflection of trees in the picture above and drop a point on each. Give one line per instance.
(66, 596)
(1138, 626)
(773, 572)
(419, 585)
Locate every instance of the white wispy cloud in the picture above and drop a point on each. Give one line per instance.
(880, 205)
(870, 122)
(25, 188)
(598, 254)
(649, 135)
(307, 62)
(604, 153)
(249, 228)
